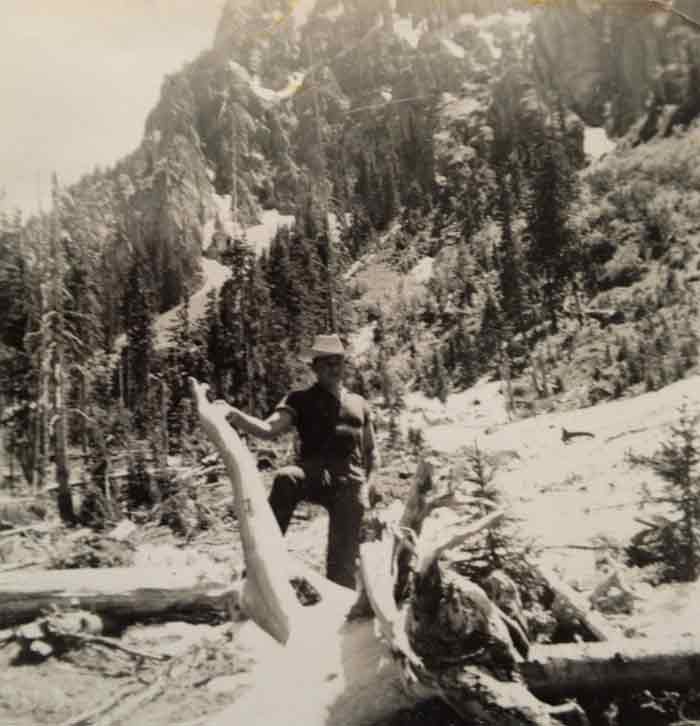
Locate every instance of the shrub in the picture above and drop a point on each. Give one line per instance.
(677, 462)
(623, 270)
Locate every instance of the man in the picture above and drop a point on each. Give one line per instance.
(337, 456)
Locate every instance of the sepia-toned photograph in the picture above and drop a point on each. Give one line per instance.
(350, 363)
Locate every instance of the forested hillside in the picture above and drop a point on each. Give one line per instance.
(394, 133)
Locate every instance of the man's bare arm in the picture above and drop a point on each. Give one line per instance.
(278, 423)
(369, 446)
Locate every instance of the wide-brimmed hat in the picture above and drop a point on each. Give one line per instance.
(323, 345)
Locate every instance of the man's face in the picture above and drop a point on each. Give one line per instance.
(329, 369)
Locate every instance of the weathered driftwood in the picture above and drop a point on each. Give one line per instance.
(268, 596)
(125, 594)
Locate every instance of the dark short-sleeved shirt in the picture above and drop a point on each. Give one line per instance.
(330, 430)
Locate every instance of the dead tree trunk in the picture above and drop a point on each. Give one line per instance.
(65, 498)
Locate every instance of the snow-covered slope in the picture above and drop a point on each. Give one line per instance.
(214, 274)
(564, 493)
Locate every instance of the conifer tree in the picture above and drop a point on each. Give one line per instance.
(439, 376)
(677, 462)
(213, 335)
(490, 332)
(551, 250)
(139, 356)
(180, 364)
(464, 355)
(508, 260)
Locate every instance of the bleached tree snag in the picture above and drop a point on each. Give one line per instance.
(430, 552)
(123, 593)
(418, 502)
(268, 597)
(576, 608)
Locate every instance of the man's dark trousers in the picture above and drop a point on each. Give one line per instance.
(343, 498)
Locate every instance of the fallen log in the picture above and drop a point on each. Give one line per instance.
(627, 665)
(34, 529)
(124, 594)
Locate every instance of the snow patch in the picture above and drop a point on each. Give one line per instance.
(302, 10)
(239, 70)
(596, 142)
(490, 40)
(456, 108)
(456, 423)
(214, 275)
(512, 17)
(453, 48)
(260, 235)
(403, 27)
(361, 342)
(267, 94)
(173, 639)
(335, 12)
(423, 270)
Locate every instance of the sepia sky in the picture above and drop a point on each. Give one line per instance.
(77, 79)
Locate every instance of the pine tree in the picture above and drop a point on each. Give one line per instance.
(500, 547)
(508, 261)
(139, 355)
(490, 332)
(551, 250)
(213, 335)
(390, 192)
(464, 356)
(180, 364)
(439, 376)
(677, 462)
(17, 375)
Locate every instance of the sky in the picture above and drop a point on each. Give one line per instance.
(78, 78)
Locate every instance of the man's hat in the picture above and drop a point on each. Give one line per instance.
(323, 345)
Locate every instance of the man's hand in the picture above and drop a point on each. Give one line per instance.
(231, 413)
(374, 495)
